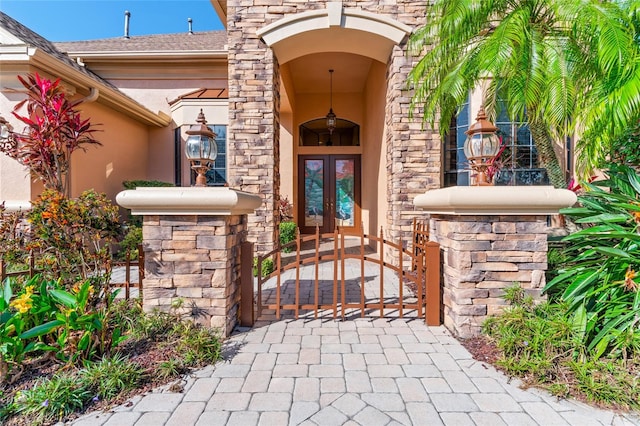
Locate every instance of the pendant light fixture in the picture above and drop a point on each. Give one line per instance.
(331, 117)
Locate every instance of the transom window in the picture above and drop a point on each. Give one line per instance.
(315, 133)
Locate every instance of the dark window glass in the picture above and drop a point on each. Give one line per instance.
(455, 162)
(518, 161)
(177, 162)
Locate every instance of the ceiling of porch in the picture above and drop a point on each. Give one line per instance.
(310, 73)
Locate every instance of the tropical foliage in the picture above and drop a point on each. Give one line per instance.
(73, 235)
(600, 285)
(288, 232)
(69, 237)
(42, 316)
(179, 345)
(552, 63)
(54, 131)
(624, 149)
(539, 343)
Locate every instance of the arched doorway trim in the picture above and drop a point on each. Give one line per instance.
(349, 22)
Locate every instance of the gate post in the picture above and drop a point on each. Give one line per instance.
(247, 317)
(433, 311)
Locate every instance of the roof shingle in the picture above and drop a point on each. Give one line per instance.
(197, 41)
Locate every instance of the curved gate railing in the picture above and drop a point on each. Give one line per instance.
(417, 269)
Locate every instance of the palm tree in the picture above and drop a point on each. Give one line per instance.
(553, 63)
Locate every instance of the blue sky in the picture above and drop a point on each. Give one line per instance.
(72, 20)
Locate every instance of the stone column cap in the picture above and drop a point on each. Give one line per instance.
(12, 206)
(208, 201)
(496, 200)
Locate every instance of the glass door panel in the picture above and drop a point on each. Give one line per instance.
(329, 192)
(314, 193)
(345, 195)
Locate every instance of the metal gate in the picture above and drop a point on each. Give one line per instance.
(319, 272)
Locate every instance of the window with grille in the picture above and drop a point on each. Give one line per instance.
(518, 161)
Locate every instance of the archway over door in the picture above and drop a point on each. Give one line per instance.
(357, 45)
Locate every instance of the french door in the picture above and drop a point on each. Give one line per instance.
(328, 192)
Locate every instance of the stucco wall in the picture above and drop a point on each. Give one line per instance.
(122, 156)
(374, 178)
(287, 158)
(15, 185)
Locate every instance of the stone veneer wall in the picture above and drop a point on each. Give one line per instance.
(253, 135)
(413, 154)
(196, 258)
(483, 255)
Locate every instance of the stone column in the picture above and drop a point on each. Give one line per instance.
(483, 255)
(491, 238)
(253, 135)
(191, 239)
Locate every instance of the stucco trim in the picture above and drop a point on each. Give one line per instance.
(498, 200)
(350, 18)
(188, 201)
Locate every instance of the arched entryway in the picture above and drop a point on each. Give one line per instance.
(279, 79)
(334, 59)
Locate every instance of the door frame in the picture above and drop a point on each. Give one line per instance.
(329, 192)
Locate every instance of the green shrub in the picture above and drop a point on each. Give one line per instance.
(133, 184)
(557, 260)
(197, 345)
(267, 267)
(170, 368)
(542, 345)
(111, 375)
(52, 399)
(155, 325)
(600, 284)
(287, 234)
(131, 242)
(71, 236)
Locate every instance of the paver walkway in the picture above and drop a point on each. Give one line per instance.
(362, 371)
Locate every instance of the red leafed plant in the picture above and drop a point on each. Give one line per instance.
(54, 130)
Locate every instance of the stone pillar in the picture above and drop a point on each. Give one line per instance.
(192, 239)
(491, 238)
(481, 256)
(196, 259)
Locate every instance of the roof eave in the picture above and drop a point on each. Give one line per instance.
(148, 55)
(221, 9)
(108, 95)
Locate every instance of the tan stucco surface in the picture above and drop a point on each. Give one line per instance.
(15, 183)
(122, 156)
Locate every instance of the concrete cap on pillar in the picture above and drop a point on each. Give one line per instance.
(208, 201)
(496, 200)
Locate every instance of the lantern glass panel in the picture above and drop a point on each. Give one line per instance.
(4, 131)
(192, 149)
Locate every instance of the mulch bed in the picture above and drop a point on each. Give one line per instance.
(482, 349)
